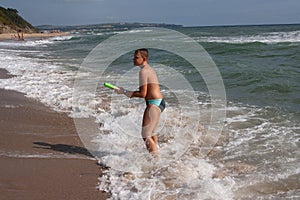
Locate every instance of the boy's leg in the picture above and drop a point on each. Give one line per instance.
(155, 138)
(150, 122)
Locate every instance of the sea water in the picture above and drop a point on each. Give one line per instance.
(257, 154)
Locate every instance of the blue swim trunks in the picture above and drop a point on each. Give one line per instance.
(158, 102)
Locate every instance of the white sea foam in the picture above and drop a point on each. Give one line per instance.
(33, 43)
(11, 106)
(269, 38)
(182, 179)
(38, 80)
(179, 172)
(45, 155)
(61, 38)
(27, 43)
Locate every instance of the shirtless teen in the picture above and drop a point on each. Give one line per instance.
(149, 90)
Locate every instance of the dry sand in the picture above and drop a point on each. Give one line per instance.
(13, 36)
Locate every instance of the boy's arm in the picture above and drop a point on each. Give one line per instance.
(141, 93)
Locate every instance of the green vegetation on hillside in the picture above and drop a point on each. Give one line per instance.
(11, 21)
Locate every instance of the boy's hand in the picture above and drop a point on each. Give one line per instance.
(119, 90)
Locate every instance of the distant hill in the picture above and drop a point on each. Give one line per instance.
(12, 22)
(115, 26)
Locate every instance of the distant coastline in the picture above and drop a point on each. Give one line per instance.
(242, 25)
(124, 26)
(129, 25)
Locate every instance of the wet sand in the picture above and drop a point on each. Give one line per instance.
(41, 155)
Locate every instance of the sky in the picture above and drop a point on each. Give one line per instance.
(181, 12)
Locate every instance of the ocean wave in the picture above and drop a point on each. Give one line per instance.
(61, 38)
(32, 43)
(27, 43)
(111, 32)
(267, 38)
(38, 80)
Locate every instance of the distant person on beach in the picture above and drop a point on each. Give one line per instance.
(149, 90)
(20, 36)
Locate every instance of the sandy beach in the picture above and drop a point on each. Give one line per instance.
(41, 155)
(13, 36)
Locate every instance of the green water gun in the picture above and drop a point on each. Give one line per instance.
(110, 86)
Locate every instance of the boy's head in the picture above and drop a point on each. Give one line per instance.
(143, 52)
(140, 57)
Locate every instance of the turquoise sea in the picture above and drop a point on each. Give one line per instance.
(258, 152)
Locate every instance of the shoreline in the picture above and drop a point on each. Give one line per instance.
(13, 36)
(41, 155)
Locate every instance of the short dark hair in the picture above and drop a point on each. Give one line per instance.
(143, 52)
